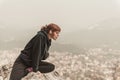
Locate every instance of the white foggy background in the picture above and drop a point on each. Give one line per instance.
(90, 28)
(84, 23)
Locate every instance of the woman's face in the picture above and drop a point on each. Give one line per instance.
(55, 35)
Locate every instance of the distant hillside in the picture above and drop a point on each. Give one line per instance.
(102, 34)
(65, 48)
(13, 37)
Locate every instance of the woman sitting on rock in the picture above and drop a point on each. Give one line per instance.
(32, 56)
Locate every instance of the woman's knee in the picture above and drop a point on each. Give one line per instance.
(52, 67)
(46, 67)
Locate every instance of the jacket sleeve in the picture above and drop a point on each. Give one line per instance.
(46, 56)
(37, 52)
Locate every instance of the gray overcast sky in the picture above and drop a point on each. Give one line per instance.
(72, 14)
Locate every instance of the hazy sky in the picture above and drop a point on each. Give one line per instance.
(71, 15)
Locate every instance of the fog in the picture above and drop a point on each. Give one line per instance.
(84, 23)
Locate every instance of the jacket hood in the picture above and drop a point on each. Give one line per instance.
(43, 33)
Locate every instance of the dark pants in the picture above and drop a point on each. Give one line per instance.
(19, 69)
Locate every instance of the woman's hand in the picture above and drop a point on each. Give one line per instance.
(30, 69)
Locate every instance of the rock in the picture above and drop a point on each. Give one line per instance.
(1, 78)
(5, 71)
(46, 76)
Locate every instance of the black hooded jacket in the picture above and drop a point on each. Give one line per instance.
(36, 50)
